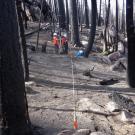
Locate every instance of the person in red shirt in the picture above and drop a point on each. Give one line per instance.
(56, 43)
(64, 43)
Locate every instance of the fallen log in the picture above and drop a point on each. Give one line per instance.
(36, 30)
(79, 111)
(109, 81)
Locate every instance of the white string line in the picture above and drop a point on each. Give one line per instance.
(73, 82)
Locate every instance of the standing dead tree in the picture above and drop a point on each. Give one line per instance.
(86, 14)
(24, 15)
(74, 24)
(39, 23)
(23, 41)
(117, 27)
(106, 26)
(61, 15)
(82, 14)
(56, 9)
(131, 42)
(67, 15)
(123, 18)
(12, 89)
(93, 27)
(99, 17)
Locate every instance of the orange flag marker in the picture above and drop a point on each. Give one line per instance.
(75, 124)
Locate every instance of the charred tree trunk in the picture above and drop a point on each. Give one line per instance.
(50, 3)
(62, 18)
(74, 24)
(99, 17)
(117, 27)
(106, 25)
(54, 19)
(105, 11)
(81, 10)
(123, 18)
(86, 14)
(93, 28)
(56, 8)
(67, 15)
(39, 24)
(131, 43)
(12, 88)
(23, 41)
(25, 18)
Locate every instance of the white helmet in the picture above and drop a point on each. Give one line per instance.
(55, 34)
(65, 34)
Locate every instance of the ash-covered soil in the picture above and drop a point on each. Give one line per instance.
(50, 96)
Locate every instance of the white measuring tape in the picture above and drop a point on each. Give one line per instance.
(75, 123)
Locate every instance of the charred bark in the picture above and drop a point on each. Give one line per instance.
(106, 25)
(74, 24)
(86, 14)
(56, 8)
(12, 88)
(23, 41)
(117, 27)
(62, 18)
(67, 15)
(99, 17)
(93, 28)
(25, 15)
(131, 43)
(123, 18)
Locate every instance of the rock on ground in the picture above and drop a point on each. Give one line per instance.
(98, 133)
(82, 132)
(127, 117)
(112, 107)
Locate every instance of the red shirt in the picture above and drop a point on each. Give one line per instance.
(55, 40)
(63, 40)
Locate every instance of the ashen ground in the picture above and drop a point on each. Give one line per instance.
(50, 98)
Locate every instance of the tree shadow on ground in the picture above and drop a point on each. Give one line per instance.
(91, 88)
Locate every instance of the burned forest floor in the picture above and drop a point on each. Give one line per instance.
(50, 92)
